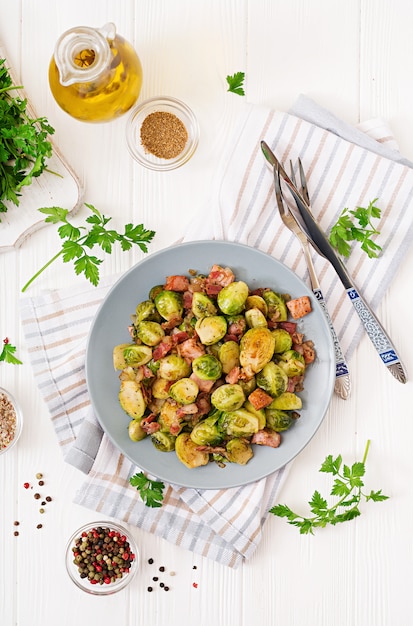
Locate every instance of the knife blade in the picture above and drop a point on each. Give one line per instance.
(373, 327)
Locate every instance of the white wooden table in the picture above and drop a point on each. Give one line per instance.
(355, 58)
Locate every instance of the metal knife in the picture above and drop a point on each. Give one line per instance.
(372, 326)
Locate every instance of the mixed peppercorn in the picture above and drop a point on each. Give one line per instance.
(102, 555)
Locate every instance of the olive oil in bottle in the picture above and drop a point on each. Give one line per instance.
(95, 75)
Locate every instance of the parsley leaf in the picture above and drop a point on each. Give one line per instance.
(79, 241)
(235, 83)
(345, 230)
(7, 354)
(24, 144)
(347, 486)
(151, 491)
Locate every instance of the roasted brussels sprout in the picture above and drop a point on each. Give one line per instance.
(254, 317)
(239, 423)
(202, 305)
(169, 304)
(211, 329)
(272, 379)
(278, 420)
(248, 385)
(135, 431)
(256, 348)
(207, 367)
(259, 413)
(188, 453)
(229, 355)
(184, 391)
(231, 299)
(150, 333)
(239, 451)
(160, 388)
(283, 340)
(206, 432)
(135, 355)
(119, 362)
(167, 416)
(164, 442)
(277, 309)
(256, 302)
(145, 311)
(292, 362)
(228, 397)
(287, 401)
(131, 398)
(173, 367)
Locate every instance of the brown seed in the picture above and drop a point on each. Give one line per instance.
(16, 523)
(48, 499)
(39, 475)
(16, 533)
(39, 526)
(41, 483)
(36, 496)
(163, 134)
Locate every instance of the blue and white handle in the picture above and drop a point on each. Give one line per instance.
(376, 332)
(342, 385)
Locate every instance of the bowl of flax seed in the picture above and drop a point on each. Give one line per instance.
(162, 133)
(11, 421)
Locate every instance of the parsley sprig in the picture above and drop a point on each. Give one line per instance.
(79, 241)
(7, 353)
(24, 144)
(151, 491)
(236, 83)
(345, 230)
(347, 486)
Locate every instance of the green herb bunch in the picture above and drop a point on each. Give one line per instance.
(151, 491)
(24, 144)
(79, 241)
(347, 487)
(346, 230)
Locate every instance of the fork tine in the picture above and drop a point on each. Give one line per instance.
(292, 175)
(304, 187)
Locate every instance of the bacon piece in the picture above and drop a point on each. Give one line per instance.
(149, 425)
(267, 437)
(212, 290)
(220, 276)
(147, 372)
(212, 449)
(297, 337)
(259, 399)
(161, 350)
(187, 300)
(203, 385)
(233, 375)
(187, 409)
(203, 403)
(172, 323)
(178, 336)
(290, 327)
(197, 283)
(237, 328)
(190, 349)
(175, 428)
(176, 283)
(298, 307)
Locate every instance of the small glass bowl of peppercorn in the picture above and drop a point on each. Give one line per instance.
(11, 421)
(102, 558)
(162, 133)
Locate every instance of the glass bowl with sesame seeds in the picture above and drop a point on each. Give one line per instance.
(162, 133)
(11, 421)
(102, 558)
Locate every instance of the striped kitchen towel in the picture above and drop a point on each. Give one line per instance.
(345, 168)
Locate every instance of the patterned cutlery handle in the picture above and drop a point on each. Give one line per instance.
(377, 335)
(342, 385)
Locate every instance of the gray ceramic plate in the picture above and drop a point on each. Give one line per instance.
(109, 328)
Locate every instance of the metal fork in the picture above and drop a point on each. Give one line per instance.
(342, 385)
